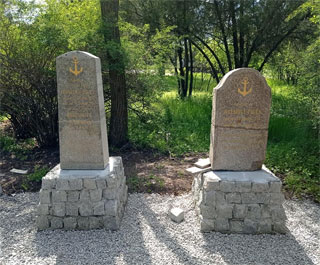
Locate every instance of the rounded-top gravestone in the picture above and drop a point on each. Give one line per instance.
(240, 118)
(82, 122)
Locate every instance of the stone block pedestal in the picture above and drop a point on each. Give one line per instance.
(247, 202)
(83, 199)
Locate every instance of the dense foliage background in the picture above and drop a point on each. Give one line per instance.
(160, 62)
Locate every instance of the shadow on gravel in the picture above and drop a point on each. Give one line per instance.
(145, 237)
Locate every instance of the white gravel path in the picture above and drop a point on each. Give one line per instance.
(147, 236)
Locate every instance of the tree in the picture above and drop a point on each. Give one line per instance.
(118, 133)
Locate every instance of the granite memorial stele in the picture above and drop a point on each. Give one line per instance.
(237, 193)
(87, 190)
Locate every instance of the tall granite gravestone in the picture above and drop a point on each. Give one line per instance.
(238, 194)
(240, 118)
(87, 190)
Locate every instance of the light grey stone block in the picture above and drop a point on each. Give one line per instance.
(239, 211)
(84, 195)
(210, 198)
(59, 196)
(263, 197)
(275, 186)
(70, 223)
(85, 209)
(56, 223)
(73, 195)
(250, 226)
(280, 227)
(101, 183)
(176, 215)
(95, 222)
(72, 209)
(265, 212)
(276, 198)
(98, 208)
(254, 212)
(59, 209)
(45, 196)
(111, 222)
(277, 213)
(233, 197)
(220, 198)
(248, 198)
(224, 210)
(75, 184)
(62, 184)
(206, 224)
(227, 186)
(211, 182)
(221, 225)
(83, 223)
(260, 187)
(265, 226)
(236, 226)
(43, 209)
(113, 181)
(89, 184)
(48, 183)
(95, 195)
(42, 222)
(244, 186)
(111, 207)
(208, 212)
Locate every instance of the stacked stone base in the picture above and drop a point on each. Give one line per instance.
(83, 199)
(248, 202)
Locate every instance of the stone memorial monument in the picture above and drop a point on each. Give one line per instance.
(87, 190)
(236, 193)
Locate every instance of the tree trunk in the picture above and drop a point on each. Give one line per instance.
(118, 134)
(191, 69)
(181, 70)
(186, 59)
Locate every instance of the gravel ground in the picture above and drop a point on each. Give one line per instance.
(147, 236)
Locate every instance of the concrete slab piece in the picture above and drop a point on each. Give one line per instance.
(196, 170)
(203, 163)
(259, 176)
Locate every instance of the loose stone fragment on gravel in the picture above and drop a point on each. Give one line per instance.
(19, 171)
(176, 215)
(0, 190)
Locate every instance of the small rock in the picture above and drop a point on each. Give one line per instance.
(176, 215)
(203, 163)
(19, 171)
(0, 190)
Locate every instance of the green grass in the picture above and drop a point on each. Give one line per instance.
(178, 126)
(19, 149)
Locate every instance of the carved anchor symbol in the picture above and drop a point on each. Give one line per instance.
(245, 92)
(75, 71)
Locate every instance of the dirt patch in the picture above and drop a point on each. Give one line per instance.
(146, 171)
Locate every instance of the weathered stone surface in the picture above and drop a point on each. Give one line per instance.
(42, 222)
(240, 117)
(45, 196)
(241, 204)
(72, 209)
(176, 214)
(48, 184)
(86, 208)
(56, 223)
(70, 223)
(73, 196)
(82, 124)
(75, 184)
(62, 184)
(59, 196)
